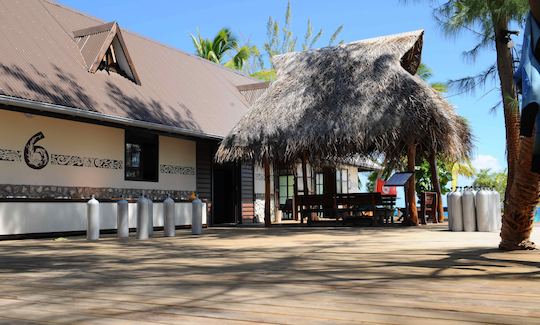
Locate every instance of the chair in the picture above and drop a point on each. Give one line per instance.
(428, 203)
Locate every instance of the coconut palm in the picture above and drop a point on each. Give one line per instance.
(220, 47)
(490, 21)
(522, 190)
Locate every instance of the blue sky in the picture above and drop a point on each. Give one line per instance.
(172, 21)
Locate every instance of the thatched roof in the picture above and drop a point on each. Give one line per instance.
(357, 98)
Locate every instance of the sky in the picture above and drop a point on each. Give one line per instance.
(172, 21)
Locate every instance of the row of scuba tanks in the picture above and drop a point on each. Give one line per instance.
(474, 209)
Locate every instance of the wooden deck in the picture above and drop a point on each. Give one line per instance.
(286, 275)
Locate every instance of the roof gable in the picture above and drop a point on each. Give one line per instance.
(102, 43)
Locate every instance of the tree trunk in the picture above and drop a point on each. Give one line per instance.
(436, 185)
(267, 215)
(508, 91)
(522, 190)
(411, 186)
(519, 211)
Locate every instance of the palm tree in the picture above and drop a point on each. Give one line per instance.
(461, 168)
(489, 21)
(522, 190)
(426, 74)
(219, 48)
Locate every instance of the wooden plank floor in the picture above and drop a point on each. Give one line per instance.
(284, 275)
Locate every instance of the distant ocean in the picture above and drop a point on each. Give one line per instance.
(537, 215)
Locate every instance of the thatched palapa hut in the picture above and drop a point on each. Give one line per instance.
(358, 98)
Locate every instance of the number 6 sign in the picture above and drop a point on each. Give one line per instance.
(36, 157)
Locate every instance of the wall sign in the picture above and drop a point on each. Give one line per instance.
(36, 157)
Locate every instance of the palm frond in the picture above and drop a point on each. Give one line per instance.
(471, 83)
(335, 35)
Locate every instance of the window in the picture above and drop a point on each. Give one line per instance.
(300, 181)
(286, 188)
(319, 183)
(342, 181)
(141, 157)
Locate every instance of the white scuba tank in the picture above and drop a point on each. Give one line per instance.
(484, 210)
(455, 213)
(469, 210)
(498, 211)
(450, 212)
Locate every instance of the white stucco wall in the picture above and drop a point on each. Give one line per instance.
(26, 218)
(85, 140)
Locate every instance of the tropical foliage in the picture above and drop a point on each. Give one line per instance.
(223, 49)
(489, 179)
(281, 39)
(424, 178)
(426, 74)
(461, 168)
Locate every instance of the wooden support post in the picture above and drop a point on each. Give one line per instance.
(304, 176)
(304, 182)
(411, 186)
(295, 195)
(267, 215)
(436, 185)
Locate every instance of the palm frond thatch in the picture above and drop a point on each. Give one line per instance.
(358, 98)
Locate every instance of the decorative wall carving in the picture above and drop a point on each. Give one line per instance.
(76, 161)
(9, 191)
(10, 155)
(172, 169)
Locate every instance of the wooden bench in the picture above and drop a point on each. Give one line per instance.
(344, 206)
(315, 204)
(358, 206)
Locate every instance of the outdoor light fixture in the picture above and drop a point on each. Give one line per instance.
(507, 37)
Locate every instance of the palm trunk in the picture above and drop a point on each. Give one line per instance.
(522, 201)
(267, 215)
(436, 185)
(522, 190)
(411, 186)
(508, 91)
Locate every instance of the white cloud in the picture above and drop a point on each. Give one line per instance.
(486, 162)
